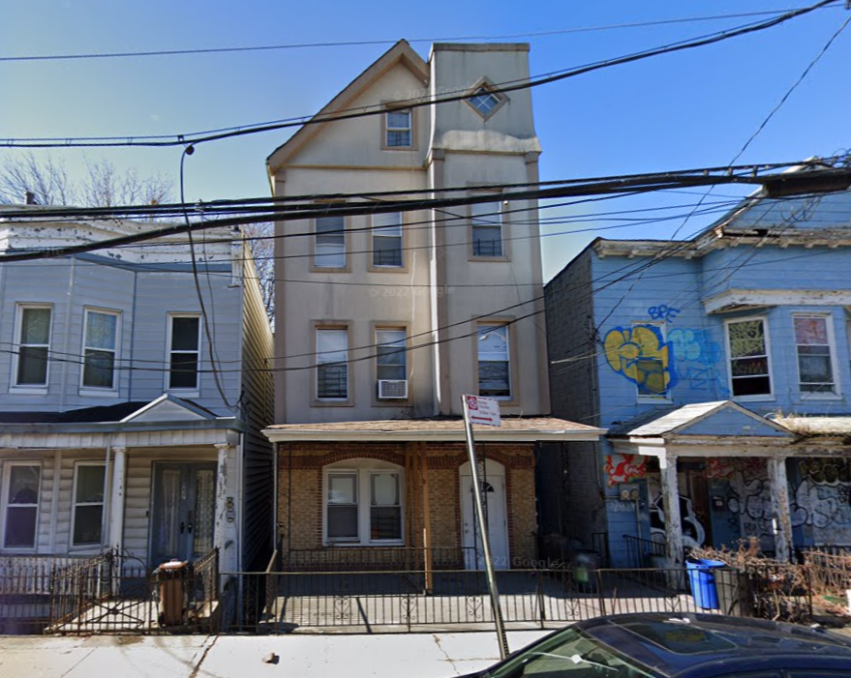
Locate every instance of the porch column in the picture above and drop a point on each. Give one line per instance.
(116, 499)
(781, 520)
(220, 524)
(671, 505)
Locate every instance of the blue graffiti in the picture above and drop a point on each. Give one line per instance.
(697, 358)
(663, 312)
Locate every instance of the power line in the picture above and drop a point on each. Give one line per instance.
(369, 43)
(511, 86)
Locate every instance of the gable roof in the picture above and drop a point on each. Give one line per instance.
(169, 408)
(685, 420)
(401, 52)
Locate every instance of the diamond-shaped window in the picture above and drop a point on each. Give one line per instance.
(484, 100)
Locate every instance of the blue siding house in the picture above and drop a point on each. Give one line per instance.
(720, 367)
(128, 419)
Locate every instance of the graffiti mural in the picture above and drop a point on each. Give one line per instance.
(641, 355)
(694, 534)
(697, 358)
(621, 468)
(750, 499)
(821, 503)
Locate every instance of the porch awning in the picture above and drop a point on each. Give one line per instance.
(513, 429)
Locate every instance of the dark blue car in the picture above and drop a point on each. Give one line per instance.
(681, 645)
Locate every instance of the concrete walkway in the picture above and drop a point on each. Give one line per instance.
(403, 655)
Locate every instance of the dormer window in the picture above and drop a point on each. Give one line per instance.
(485, 100)
(398, 129)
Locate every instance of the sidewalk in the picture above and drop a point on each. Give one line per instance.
(409, 655)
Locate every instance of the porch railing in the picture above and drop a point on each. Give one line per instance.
(641, 552)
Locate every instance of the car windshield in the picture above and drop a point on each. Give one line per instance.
(569, 654)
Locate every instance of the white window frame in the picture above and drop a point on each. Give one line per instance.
(477, 222)
(646, 397)
(729, 355)
(19, 327)
(75, 504)
(836, 393)
(317, 333)
(85, 389)
(364, 469)
(185, 391)
(388, 129)
(507, 327)
(403, 353)
(4, 505)
(376, 233)
(341, 232)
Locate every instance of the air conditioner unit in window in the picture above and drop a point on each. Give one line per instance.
(392, 389)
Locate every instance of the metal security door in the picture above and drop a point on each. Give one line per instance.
(182, 517)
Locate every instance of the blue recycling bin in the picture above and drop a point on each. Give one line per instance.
(701, 578)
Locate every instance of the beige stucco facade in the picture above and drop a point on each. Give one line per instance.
(441, 287)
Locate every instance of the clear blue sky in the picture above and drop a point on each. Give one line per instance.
(689, 109)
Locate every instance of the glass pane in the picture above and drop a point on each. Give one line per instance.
(385, 522)
(98, 369)
(101, 330)
(387, 224)
(342, 488)
(399, 119)
(493, 342)
(744, 386)
(87, 524)
(385, 489)
(330, 243)
(23, 484)
(395, 138)
(205, 499)
(810, 331)
(386, 251)
(343, 522)
(332, 381)
(747, 338)
(32, 365)
(484, 101)
(184, 370)
(20, 526)
(487, 241)
(170, 498)
(90, 481)
(815, 369)
(184, 334)
(486, 213)
(746, 367)
(493, 379)
(35, 326)
(653, 375)
(332, 345)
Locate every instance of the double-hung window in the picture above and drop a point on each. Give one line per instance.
(815, 356)
(99, 350)
(494, 363)
(747, 342)
(33, 345)
(332, 369)
(88, 504)
(387, 240)
(486, 218)
(184, 351)
(20, 522)
(363, 505)
(330, 244)
(398, 128)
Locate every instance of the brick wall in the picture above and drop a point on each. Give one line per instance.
(300, 467)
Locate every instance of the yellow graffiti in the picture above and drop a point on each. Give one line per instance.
(640, 355)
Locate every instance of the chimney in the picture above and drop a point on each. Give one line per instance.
(30, 198)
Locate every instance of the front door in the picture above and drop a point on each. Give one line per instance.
(493, 493)
(182, 516)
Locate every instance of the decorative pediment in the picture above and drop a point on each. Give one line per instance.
(169, 408)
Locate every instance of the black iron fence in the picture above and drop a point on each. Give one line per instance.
(643, 552)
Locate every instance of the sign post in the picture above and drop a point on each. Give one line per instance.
(478, 410)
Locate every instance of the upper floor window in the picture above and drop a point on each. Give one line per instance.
(484, 99)
(330, 244)
(486, 218)
(387, 240)
(20, 504)
(88, 504)
(813, 341)
(99, 350)
(184, 351)
(332, 369)
(650, 362)
(750, 368)
(33, 345)
(494, 366)
(398, 128)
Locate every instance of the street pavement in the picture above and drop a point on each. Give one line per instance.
(397, 655)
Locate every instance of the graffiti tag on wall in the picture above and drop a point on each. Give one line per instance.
(621, 468)
(697, 358)
(821, 504)
(641, 355)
